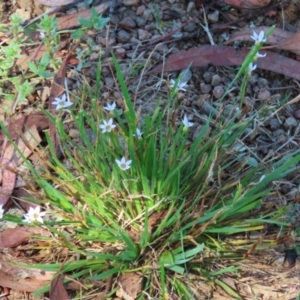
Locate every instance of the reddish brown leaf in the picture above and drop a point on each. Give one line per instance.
(57, 289)
(39, 120)
(8, 179)
(279, 39)
(247, 3)
(71, 20)
(227, 56)
(12, 237)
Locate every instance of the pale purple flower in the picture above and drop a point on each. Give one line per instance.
(180, 86)
(186, 122)
(251, 68)
(259, 38)
(1, 211)
(123, 163)
(107, 126)
(260, 55)
(138, 133)
(110, 107)
(61, 102)
(34, 214)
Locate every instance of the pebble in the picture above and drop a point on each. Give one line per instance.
(207, 76)
(274, 124)
(218, 91)
(214, 17)
(190, 6)
(297, 114)
(123, 36)
(143, 34)
(131, 2)
(74, 133)
(264, 94)
(148, 16)
(216, 80)
(128, 23)
(190, 27)
(109, 82)
(205, 88)
(140, 10)
(290, 122)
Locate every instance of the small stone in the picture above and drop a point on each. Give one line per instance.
(190, 27)
(148, 16)
(216, 80)
(190, 6)
(205, 88)
(262, 82)
(297, 114)
(140, 10)
(128, 23)
(290, 122)
(274, 124)
(143, 34)
(264, 95)
(214, 17)
(131, 2)
(140, 21)
(120, 53)
(207, 76)
(185, 75)
(109, 82)
(123, 36)
(74, 133)
(218, 91)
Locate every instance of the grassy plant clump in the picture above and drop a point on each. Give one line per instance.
(139, 197)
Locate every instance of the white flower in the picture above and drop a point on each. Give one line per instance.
(225, 36)
(260, 55)
(1, 211)
(251, 68)
(62, 102)
(259, 38)
(42, 34)
(180, 85)
(34, 214)
(186, 122)
(107, 126)
(138, 133)
(123, 163)
(110, 107)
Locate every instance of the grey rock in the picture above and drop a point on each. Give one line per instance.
(190, 7)
(140, 21)
(148, 16)
(123, 36)
(214, 17)
(190, 27)
(143, 34)
(290, 122)
(205, 88)
(216, 80)
(274, 124)
(128, 23)
(207, 76)
(109, 82)
(218, 91)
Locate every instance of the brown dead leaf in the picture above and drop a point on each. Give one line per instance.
(227, 56)
(22, 123)
(12, 237)
(130, 286)
(248, 3)
(71, 20)
(12, 159)
(57, 289)
(27, 279)
(279, 39)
